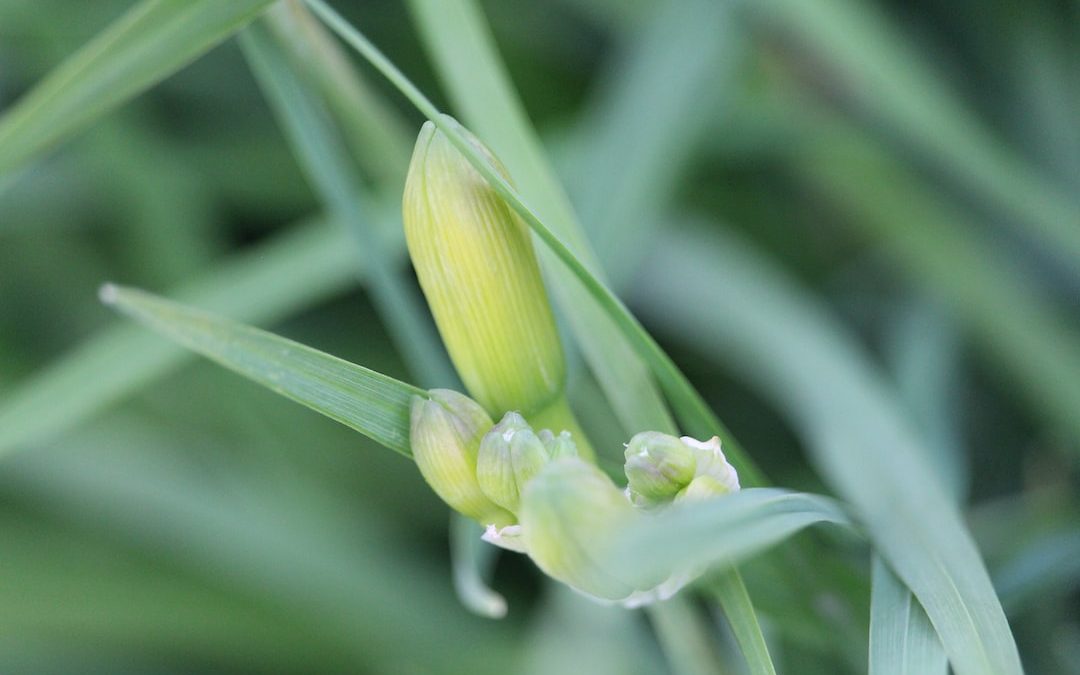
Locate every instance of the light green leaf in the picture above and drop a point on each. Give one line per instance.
(902, 640)
(940, 248)
(897, 84)
(308, 263)
(318, 146)
(783, 342)
(373, 404)
(721, 530)
(150, 42)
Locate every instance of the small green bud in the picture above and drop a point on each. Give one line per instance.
(475, 261)
(661, 469)
(569, 512)
(445, 434)
(657, 467)
(510, 455)
(558, 446)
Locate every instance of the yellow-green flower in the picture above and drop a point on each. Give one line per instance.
(475, 261)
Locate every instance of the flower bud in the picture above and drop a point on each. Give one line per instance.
(657, 467)
(661, 469)
(445, 434)
(475, 261)
(510, 455)
(558, 446)
(569, 512)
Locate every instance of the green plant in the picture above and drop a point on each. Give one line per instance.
(897, 578)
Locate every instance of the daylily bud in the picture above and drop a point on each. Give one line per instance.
(657, 467)
(558, 446)
(569, 511)
(475, 261)
(445, 434)
(661, 469)
(510, 455)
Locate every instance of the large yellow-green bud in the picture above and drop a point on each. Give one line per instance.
(445, 434)
(475, 261)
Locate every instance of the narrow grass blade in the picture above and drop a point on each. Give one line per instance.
(373, 404)
(668, 83)
(699, 420)
(779, 339)
(722, 530)
(730, 591)
(898, 85)
(317, 145)
(463, 51)
(902, 640)
(472, 560)
(152, 41)
(940, 249)
(272, 281)
(684, 638)
(378, 135)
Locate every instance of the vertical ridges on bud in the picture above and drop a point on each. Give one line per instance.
(475, 262)
(510, 455)
(445, 434)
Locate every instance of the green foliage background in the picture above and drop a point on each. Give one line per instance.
(828, 211)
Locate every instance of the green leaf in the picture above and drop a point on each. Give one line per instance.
(780, 340)
(373, 404)
(897, 84)
(150, 42)
(308, 263)
(721, 530)
(902, 640)
(666, 86)
(939, 248)
(317, 145)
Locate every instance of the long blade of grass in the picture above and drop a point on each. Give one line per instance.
(369, 402)
(317, 145)
(272, 281)
(150, 42)
(684, 638)
(781, 340)
(935, 245)
(464, 54)
(724, 530)
(898, 85)
(670, 81)
(730, 592)
(378, 136)
(902, 639)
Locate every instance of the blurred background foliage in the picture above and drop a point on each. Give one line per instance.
(912, 167)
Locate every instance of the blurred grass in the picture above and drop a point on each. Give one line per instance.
(161, 518)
